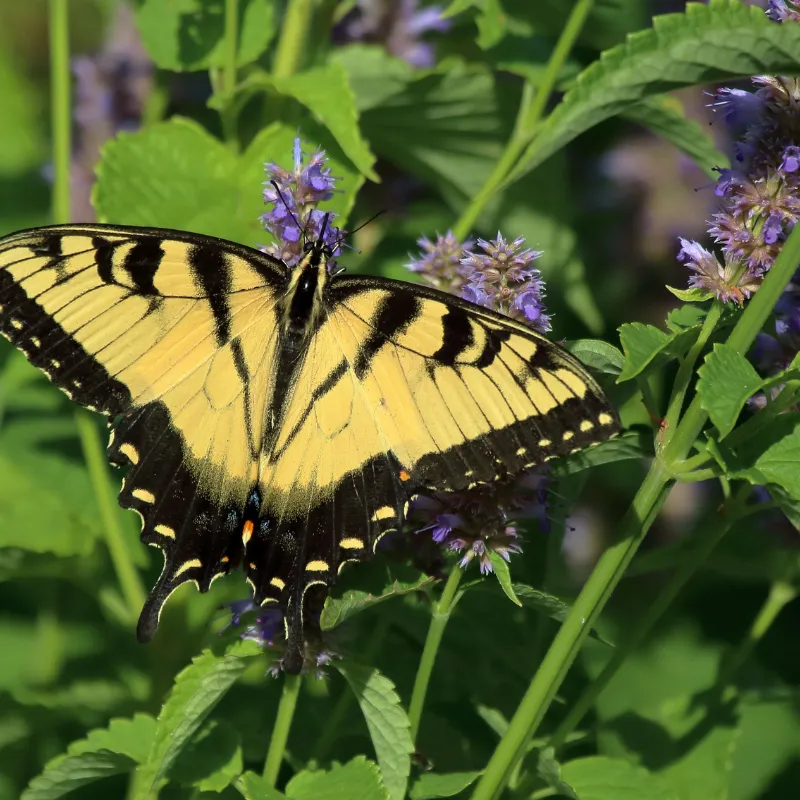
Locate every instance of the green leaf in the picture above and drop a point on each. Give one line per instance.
(503, 575)
(197, 690)
(358, 779)
(176, 175)
(664, 116)
(690, 295)
(773, 457)
(549, 770)
(734, 40)
(373, 74)
(109, 751)
(597, 355)
(602, 778)
(429, 785)
(628, 445)
(211, 760)
(46, 504)
(645, 344)
(382, 584)
(326, 92)
(726, 381)
(655, 710)
(789, 506)
(254, 787)
(184, 35)
(388, 725)
(444, 127)
(685, 317)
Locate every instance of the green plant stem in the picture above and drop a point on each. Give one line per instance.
(296, 23)
(686, 369)
(706, 542)
(528, 118)
(231, 45)
(780, 594)
(93, 451)
(439, 619)
(280, 731)
(579, 622)
(60, 108)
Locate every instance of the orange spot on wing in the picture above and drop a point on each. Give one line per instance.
(247, 532)
(404, 476)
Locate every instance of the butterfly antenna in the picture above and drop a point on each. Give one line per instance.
(340, 241)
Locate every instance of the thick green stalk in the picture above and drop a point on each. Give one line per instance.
(93, 451)
(439, 619)
(60, 108)
(296, 23)
(564, 649)
(707, 540)
(528, 118)
(283, 724)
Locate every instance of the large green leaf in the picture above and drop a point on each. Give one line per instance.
(358, 779)
(387, 722)
(196, 692)
(190, 34)
(445, 127)
(105, 752)
(705, 44)
(726, 381)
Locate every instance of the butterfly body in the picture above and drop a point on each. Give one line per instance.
(281, 419)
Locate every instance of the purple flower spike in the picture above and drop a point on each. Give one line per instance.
(294, 218)
(502, 278)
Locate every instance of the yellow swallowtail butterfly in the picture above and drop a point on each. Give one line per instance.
(281, 419)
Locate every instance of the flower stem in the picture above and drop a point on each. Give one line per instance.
(564, 649)
(707, 540)
(686, 369)
(60, 104)
(296, 22)
(129, 579)
(528, 117)
(280, 731)
(439, 620)
(231, 45)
